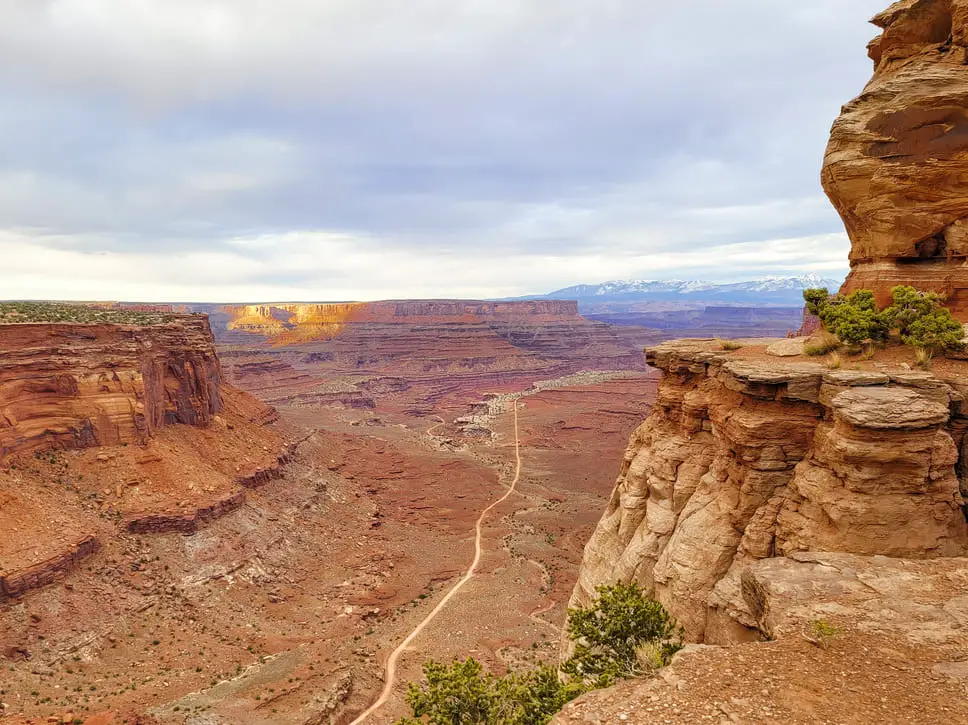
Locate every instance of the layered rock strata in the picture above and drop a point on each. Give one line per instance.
(743, 460)
(900, 632)
(896, 167)
(67, 388)
(77, 386)
(14, 583)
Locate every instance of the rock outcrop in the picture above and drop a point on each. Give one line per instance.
(79, 385)
(747, 459)
(130, 427)
(899, 633)
(896, 167)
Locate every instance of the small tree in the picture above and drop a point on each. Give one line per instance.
(458, 694)
(922, 321)
(463, 694)
(854, 319)
(534, 696)
(816, 299)
(612, 632)
(621, 634)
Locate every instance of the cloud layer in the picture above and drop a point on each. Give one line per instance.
(363, 149)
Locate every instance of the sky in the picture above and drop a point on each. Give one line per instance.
(269, 150)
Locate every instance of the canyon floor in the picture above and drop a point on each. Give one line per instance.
(284, 610)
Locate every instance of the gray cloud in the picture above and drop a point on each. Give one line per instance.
(536, 127)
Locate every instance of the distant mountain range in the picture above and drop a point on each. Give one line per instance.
(764, 291)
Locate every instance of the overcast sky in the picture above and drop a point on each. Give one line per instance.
(226, 150)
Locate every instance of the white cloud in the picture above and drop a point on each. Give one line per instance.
(247, 149)
(323, 266)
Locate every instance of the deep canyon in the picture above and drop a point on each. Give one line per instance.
(234, 513)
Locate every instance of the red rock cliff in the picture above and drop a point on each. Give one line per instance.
(896, 167)
(743, 460)
(77, 385)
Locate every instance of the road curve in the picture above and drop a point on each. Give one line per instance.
(390, 675)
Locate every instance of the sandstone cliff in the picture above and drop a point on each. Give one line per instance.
(107, 427)
(896, 167)
(76, 386)
(746, 459)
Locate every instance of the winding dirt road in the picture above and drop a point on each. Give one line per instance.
(390, 675)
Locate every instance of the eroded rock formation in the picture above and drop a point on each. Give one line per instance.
(743, 460)
(900, 636)
(896, 167)
(76, 386)
(129, 427)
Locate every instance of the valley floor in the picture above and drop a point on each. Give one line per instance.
(284, 610)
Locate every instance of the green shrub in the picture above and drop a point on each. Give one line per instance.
(918, 316)
(610, 633)
(621, 634)
(922, 322)
(533, 697)
(459, 693)
(464, 693)
(816, 298)
(855, 319)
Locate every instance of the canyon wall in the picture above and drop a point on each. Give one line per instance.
(286, 323)
(415, 356)
(896, 167)
(747, 459)
(76, 386)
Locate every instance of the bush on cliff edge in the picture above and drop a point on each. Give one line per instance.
(622, 633)
(919, 317)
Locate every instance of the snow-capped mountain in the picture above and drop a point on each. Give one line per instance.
(766, 290)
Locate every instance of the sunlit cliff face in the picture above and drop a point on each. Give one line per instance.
(291, 324)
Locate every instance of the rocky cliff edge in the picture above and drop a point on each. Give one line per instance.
(744, 459)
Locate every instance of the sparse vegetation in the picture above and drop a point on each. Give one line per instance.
(821, 343)
(610, 635)
(923, 356)
(834, 360)
(821, 632)
(729, 345)
(622, 633)
(918, 316)
(21, 312)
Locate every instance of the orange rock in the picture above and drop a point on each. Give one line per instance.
(896, 167)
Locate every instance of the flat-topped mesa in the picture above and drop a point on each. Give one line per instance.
(288, 323)
(896, 166)
(69, 385)
(744, 459)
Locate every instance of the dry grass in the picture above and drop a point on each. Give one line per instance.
(868, 351)
(923, 356)
(834, 360)
(821, 343)
(729, 345)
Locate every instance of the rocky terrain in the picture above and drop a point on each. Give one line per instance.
(806, 520)
(760, 501)
(744, 459)
(176, 551)
(106, 427)
(896, 164)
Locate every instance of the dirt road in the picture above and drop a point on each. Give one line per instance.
(391, 664)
